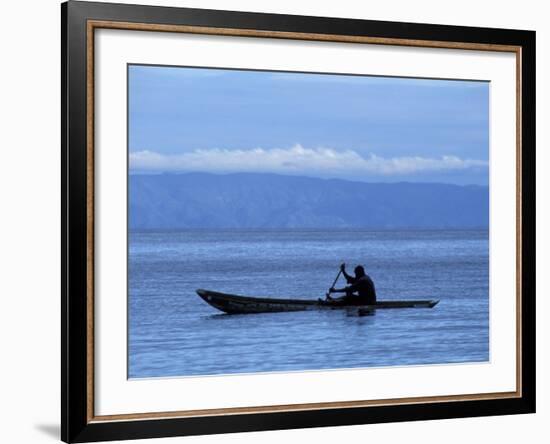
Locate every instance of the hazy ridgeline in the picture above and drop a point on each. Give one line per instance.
(248, 200)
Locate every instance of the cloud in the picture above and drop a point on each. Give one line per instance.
(297, 160)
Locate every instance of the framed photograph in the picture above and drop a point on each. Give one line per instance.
(275, 221)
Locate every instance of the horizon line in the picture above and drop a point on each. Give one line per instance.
(250, 173)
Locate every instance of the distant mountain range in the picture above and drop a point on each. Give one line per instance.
(246, 200)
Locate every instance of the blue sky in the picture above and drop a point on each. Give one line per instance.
(374, 129)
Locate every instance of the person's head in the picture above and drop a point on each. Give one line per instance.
(359, 271)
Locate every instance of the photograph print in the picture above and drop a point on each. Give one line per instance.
(301, 221)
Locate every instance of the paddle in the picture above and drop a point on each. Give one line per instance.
(334, 283)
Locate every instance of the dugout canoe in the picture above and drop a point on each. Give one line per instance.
(235, 304)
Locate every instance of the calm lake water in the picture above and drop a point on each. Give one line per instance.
(172, 332)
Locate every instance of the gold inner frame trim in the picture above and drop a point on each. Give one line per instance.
(96, 24)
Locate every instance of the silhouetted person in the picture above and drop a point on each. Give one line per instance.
(361, 290)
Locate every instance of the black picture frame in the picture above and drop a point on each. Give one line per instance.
(76, 326)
